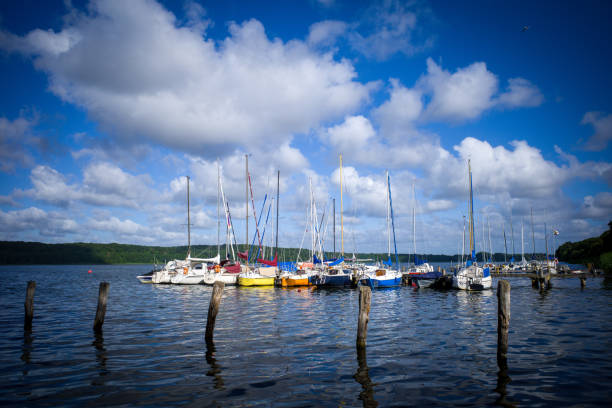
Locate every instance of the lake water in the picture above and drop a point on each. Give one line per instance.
(296, 348)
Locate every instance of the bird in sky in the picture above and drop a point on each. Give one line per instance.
(525, 28)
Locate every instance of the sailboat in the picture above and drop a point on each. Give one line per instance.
(420, 266)
(305, 272)
(471, 276)
(193, 269)
(189, 270)
(258, 276)
(227, 270)
(385, 277)
(336, 275)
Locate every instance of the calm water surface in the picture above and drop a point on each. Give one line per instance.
(286, 348)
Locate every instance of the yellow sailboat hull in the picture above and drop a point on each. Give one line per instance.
(256, 281)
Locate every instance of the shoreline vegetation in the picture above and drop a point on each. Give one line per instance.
(596, 251)
(80, 253)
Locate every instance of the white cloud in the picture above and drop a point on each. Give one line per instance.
(523, 170)
(598, 206)
(388, 27)
(464, 94)
(14, 135)
(200, 95)
(397, 115)
(470, 91)
(602, 124)
(33, 219)
(520, 93)
(325, 33)
(359, 142)
(50, 185)
(117, 226)
(103, 185)
(440, 205)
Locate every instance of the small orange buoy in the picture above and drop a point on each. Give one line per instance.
(89, 271)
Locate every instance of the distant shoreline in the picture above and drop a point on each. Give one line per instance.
(81, 253)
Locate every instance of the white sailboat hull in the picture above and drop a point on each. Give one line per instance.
(227, 278)
(187, 279)
(161, 277)
(472, 278)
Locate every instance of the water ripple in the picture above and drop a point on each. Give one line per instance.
(296, 347)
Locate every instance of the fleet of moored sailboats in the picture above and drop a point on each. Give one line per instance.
(319, 271)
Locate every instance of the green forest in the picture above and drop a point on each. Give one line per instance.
(36, 253)
(596, 251)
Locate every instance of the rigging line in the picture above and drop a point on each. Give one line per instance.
(257, 226)
(303, 236)
(255, 215)
(264, 229)
(392, 222)
(326, 225)
(321, 238)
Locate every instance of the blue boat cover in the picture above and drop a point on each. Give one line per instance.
(337, 261)
(419, 261)
(287, 266)
(486, 272)
(388, 262)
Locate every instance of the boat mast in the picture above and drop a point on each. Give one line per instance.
(471, 209)
(388, 222)
(505, 245)
(463, 242)
(546, 243)
(341, 206)
(512, 238)
(246, 201)
(484, 246)
(532, 236)
(218, 212)
(188, 223)
(392, 222)
(490, 245)
(414, 222)
(277, 198)
(522, 244)
(229, 244)
(334, 228)
(312, 223)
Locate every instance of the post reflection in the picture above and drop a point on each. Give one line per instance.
(502, 381)
(215, 368)
(26, 349)
(362, 377)
(101, 358)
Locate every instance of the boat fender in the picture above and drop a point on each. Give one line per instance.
(217, 268)
(185, 269)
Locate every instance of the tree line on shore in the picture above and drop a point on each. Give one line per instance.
(37, 253)
(596, 251)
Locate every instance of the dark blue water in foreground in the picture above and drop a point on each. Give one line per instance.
(285, 348)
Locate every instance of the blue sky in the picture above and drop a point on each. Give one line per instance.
(108, 105)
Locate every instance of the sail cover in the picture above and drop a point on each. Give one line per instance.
(269, 263)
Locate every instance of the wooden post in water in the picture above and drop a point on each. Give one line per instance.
(583, 281)
(365, 297)
(101, 311)
(29, 306)
(503, 322)
(213, 309)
